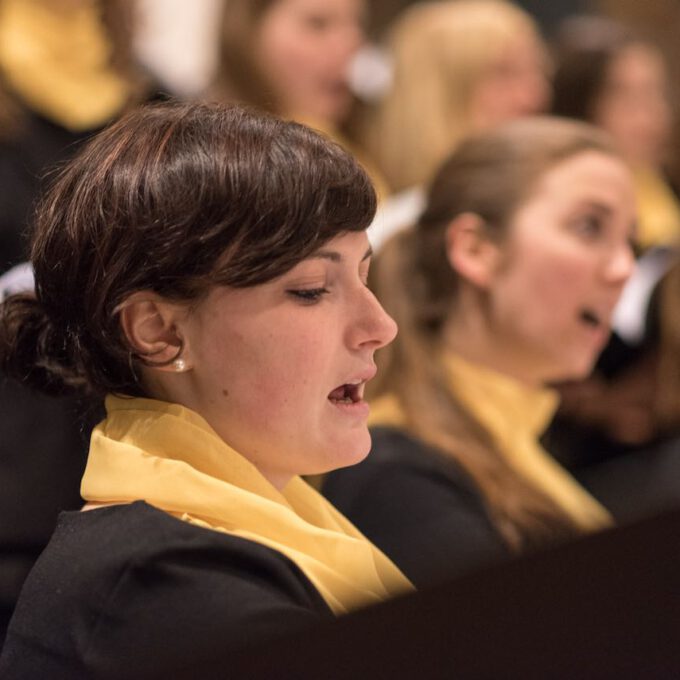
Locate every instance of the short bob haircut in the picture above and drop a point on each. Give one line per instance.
(175, 199)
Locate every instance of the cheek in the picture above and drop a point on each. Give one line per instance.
(494, 103)
(546, 290)
(289, 58)
(487, 99)
(558, 280)
(280, 373)
(612, 115)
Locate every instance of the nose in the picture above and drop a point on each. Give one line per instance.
(620, 265)
(352, 38)
(532, 94)
(372, 326)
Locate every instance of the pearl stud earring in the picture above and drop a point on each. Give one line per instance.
(179, 365)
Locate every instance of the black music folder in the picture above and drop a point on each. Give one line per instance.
(604, 606)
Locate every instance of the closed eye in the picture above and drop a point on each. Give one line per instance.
(308, 295)
(592, 219)
(589, 226)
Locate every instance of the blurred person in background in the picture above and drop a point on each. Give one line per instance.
(293, 58)
(506, 283)
(619, 430)
(458, 66)
(607, 75)
(65, 71)
(615, 429)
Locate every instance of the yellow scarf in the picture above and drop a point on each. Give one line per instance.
(58, 60)
(515, 416)
(658, 210)
(171, 458)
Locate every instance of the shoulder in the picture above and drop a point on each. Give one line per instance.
(398, 455)
(138, 537)
(115, 540)
(134, 583)
(419, 506)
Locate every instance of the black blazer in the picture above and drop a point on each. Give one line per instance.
(418, 506)
(129, 591)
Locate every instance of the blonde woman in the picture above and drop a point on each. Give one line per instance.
(506, 284)
(458, 66)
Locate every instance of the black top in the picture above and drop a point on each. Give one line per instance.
(418, 506)
(43, 451)
(129, 591)
(24, 162)
(602, 607)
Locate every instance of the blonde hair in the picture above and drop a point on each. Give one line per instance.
(440, 51)
(490, 175)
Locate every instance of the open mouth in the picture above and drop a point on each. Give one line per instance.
(349, 393)
(591, 318)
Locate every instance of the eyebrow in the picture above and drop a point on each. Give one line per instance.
(607, 212)
(335, 256)
(600, 207)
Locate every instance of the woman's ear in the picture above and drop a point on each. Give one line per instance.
(150, 325)
(470, 251)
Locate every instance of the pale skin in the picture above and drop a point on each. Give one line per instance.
(305, 48)
(278, 369)
(537, 305)
(635, 107)
(515, 85)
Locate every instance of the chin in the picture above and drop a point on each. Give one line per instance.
(351, 451)
(577, 370)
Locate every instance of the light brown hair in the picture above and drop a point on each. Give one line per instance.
(490, 175)
(241, 78)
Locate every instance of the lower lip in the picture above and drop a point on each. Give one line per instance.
(599, 334)
(355, 409)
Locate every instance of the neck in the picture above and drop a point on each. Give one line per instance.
(277, 479)
(469, 334)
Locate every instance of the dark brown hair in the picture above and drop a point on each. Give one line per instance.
(490, 175)
(585, 48)
(173, 198)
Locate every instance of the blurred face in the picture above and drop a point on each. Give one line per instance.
(305, 48)
(565, 260)
(278, 369)
(515, 84)
(634, 106)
